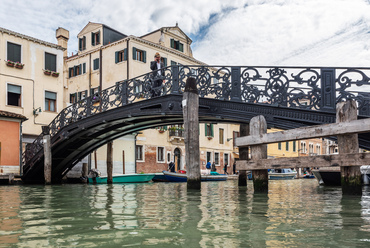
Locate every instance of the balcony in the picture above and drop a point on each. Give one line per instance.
(176, 133)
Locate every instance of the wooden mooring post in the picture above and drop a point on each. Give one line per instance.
(190, 106)
(47, 154)
(349, 159)
(351, 179)
(110, 162)
(243, 155)
(258, 126)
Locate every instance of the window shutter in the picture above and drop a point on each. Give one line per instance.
(79, 96)
(80, 70)
(91, 91)
(85, 93)
(205, 131)
(98, 38)
(117, 56)
(134, 53)
(165, 62)
(144, 55)
(80, 40)
(84, 68)
(172, 43)
(125, 54)
(93, 39)
(70, 72)
(75, 70)
(212, 130)
(84, 43)
(181, 47)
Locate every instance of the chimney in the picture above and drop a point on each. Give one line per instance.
(63, 37)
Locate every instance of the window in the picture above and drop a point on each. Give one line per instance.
(14, 52)
(173, 62)
(279, 146)
(318, 149)
(168, 157)
(235, 135)
(221, 135)
(217, 158)
(82, 43)
(139, 152)
(164, 61)
(310, 148)
(14, 95)
(294, 146)
(77, 70)
(208, 130)
(50, 62)
(82, 95)
(177, 45)
(73, 98)
(226, 158)
(139, 55)
(96, 64)
(94, 92)
(50, 101)
(121, 55)
(160, 154)
(303, 147)
(209, 157)
(287, 146)
(95, 38)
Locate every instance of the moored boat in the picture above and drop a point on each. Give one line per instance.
(124, 178)
(182, 177)
(281, 174)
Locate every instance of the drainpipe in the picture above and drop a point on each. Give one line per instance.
(101, 69)
(20, 149)
(136, 134)
(128, 59)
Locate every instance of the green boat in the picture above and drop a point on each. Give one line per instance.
(125, 178)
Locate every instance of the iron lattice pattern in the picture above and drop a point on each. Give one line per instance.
(296, 87)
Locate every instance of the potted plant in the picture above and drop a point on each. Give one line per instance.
(10, 63)
(47, 72)
(209, 137)
(55, 74)
(19, 65)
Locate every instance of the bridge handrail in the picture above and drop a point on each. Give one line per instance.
(301, 87)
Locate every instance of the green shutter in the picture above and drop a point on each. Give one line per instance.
(134, 53)
(205, 130)
(85, 93)
(91, 91)
(117, 57)
(84, 68)
(279, 145)
(98, 37)
(70, 71)
(80, 70)
(144, 56)
(294, 148)
(84, 43)
(125, 54)
(93, 39)
(79, 96)
(181, 47)
(80, 40)
(165, 62)
(172, 43)
(212, 130)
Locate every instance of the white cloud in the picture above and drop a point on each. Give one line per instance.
(244, 32)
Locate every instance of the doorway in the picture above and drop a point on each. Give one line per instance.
(177, 159)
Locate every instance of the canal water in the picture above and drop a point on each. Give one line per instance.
(295, 213)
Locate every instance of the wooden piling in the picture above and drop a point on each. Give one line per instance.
(190, 106)
(110, 162)
(47, 154)
(243, 155)
(258, 126)
(351, 179)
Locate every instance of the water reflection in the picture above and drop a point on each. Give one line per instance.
(293, 213)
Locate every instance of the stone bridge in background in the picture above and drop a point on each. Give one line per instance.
(288, 97)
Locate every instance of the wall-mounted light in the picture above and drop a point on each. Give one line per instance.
(37, 111)
(228, 139)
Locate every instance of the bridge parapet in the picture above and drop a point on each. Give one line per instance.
(314, 88)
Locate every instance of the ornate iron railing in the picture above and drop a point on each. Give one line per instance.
(297, 87)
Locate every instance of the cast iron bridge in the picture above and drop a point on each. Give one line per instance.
(288, 97)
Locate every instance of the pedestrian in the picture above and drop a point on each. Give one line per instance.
(225, 169)
(171, 167)
(234, 167)
(213, 167)
(158, 75)
(208, 166)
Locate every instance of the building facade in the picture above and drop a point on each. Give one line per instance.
(31, 81)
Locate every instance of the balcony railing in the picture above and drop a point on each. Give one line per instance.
(176, 133)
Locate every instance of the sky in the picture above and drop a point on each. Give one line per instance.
(224, 32)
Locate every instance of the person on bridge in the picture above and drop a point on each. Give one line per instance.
(158, 74)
